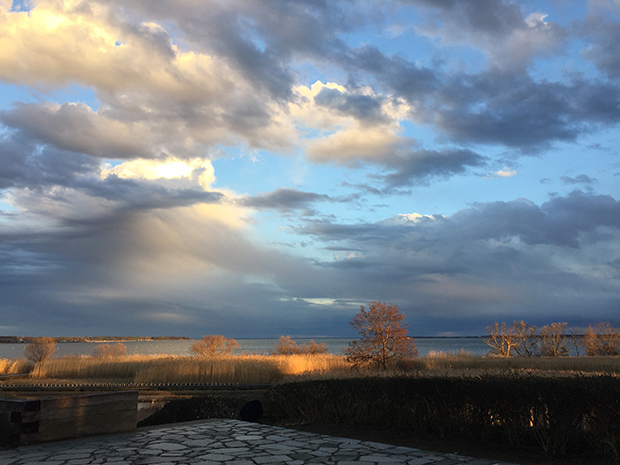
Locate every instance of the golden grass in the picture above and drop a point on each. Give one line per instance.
(14, 366)
(248, 369)
(242, 369)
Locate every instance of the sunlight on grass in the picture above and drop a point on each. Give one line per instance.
(249, 369)
(166, 369)
(14, 366)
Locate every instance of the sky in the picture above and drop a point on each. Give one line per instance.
(263, 168)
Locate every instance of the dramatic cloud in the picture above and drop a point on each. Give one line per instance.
(262, 168)
(499, 28)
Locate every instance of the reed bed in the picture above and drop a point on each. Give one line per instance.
(166, 369)
(14, 366)
(464, 361)
(246, 369)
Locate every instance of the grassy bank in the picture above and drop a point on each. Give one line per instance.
(269, 369)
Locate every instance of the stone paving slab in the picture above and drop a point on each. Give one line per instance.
(225, 442)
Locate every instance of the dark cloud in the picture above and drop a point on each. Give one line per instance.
(495, 18)
(516, 111)
(60, 174)
(27, 165)
(283, 199)
(604, 37)
(498, 28)
(415, 83)
(579, 179)
(422, 166)
(500, 258)
(74, 127)
(362, 107)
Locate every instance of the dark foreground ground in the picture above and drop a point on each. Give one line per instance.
(446, 445)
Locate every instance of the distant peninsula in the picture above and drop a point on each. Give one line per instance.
(28, 339)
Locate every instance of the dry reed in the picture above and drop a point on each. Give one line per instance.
(14, 366)
(166, 369)
(247, 369)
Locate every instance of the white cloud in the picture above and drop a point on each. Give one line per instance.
(506, 173)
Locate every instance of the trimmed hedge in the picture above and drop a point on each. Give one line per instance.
(559, 415)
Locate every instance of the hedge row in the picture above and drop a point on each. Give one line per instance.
(559, 415)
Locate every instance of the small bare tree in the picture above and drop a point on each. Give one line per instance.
(553, 340)
(110, 351)
(501, 339)
(526, 341)
(603, 339)
(40, 349)
(214, 346)
(384, 337)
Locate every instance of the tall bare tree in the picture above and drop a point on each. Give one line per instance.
(383, 339)
(526, 341)
(501, 339)
(603, 339)
(553, 340)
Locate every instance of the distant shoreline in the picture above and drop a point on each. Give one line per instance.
(106, 339)
(102, 339)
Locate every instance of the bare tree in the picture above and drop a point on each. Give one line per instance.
(603, 339)
(501, 339)
(40, 349)
(575, 334)
(214, 346)
(553, 340)
(286, 346)
(110, 351)
(526, 341)
(384, 338)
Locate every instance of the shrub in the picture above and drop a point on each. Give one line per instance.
(110, 351)
(559, 415)
(214, 346)
(40, 349)
(286, 346)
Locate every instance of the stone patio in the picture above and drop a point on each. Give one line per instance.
(229, 442)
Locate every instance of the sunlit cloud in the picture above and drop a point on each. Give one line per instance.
(171, 168)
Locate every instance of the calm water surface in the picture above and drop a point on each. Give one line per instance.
(474, 346)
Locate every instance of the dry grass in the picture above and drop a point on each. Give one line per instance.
(248, 369)
(14, 366)
(463, 361)
(166, 369)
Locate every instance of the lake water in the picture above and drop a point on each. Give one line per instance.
(475, 346)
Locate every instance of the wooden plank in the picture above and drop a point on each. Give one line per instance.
(68, 417)
(20, 405)
(86, 410)
(88, 399)
(80, 427)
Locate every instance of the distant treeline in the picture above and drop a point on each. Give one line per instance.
(29, 340)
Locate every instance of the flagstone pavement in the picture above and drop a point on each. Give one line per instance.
(224, 442)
